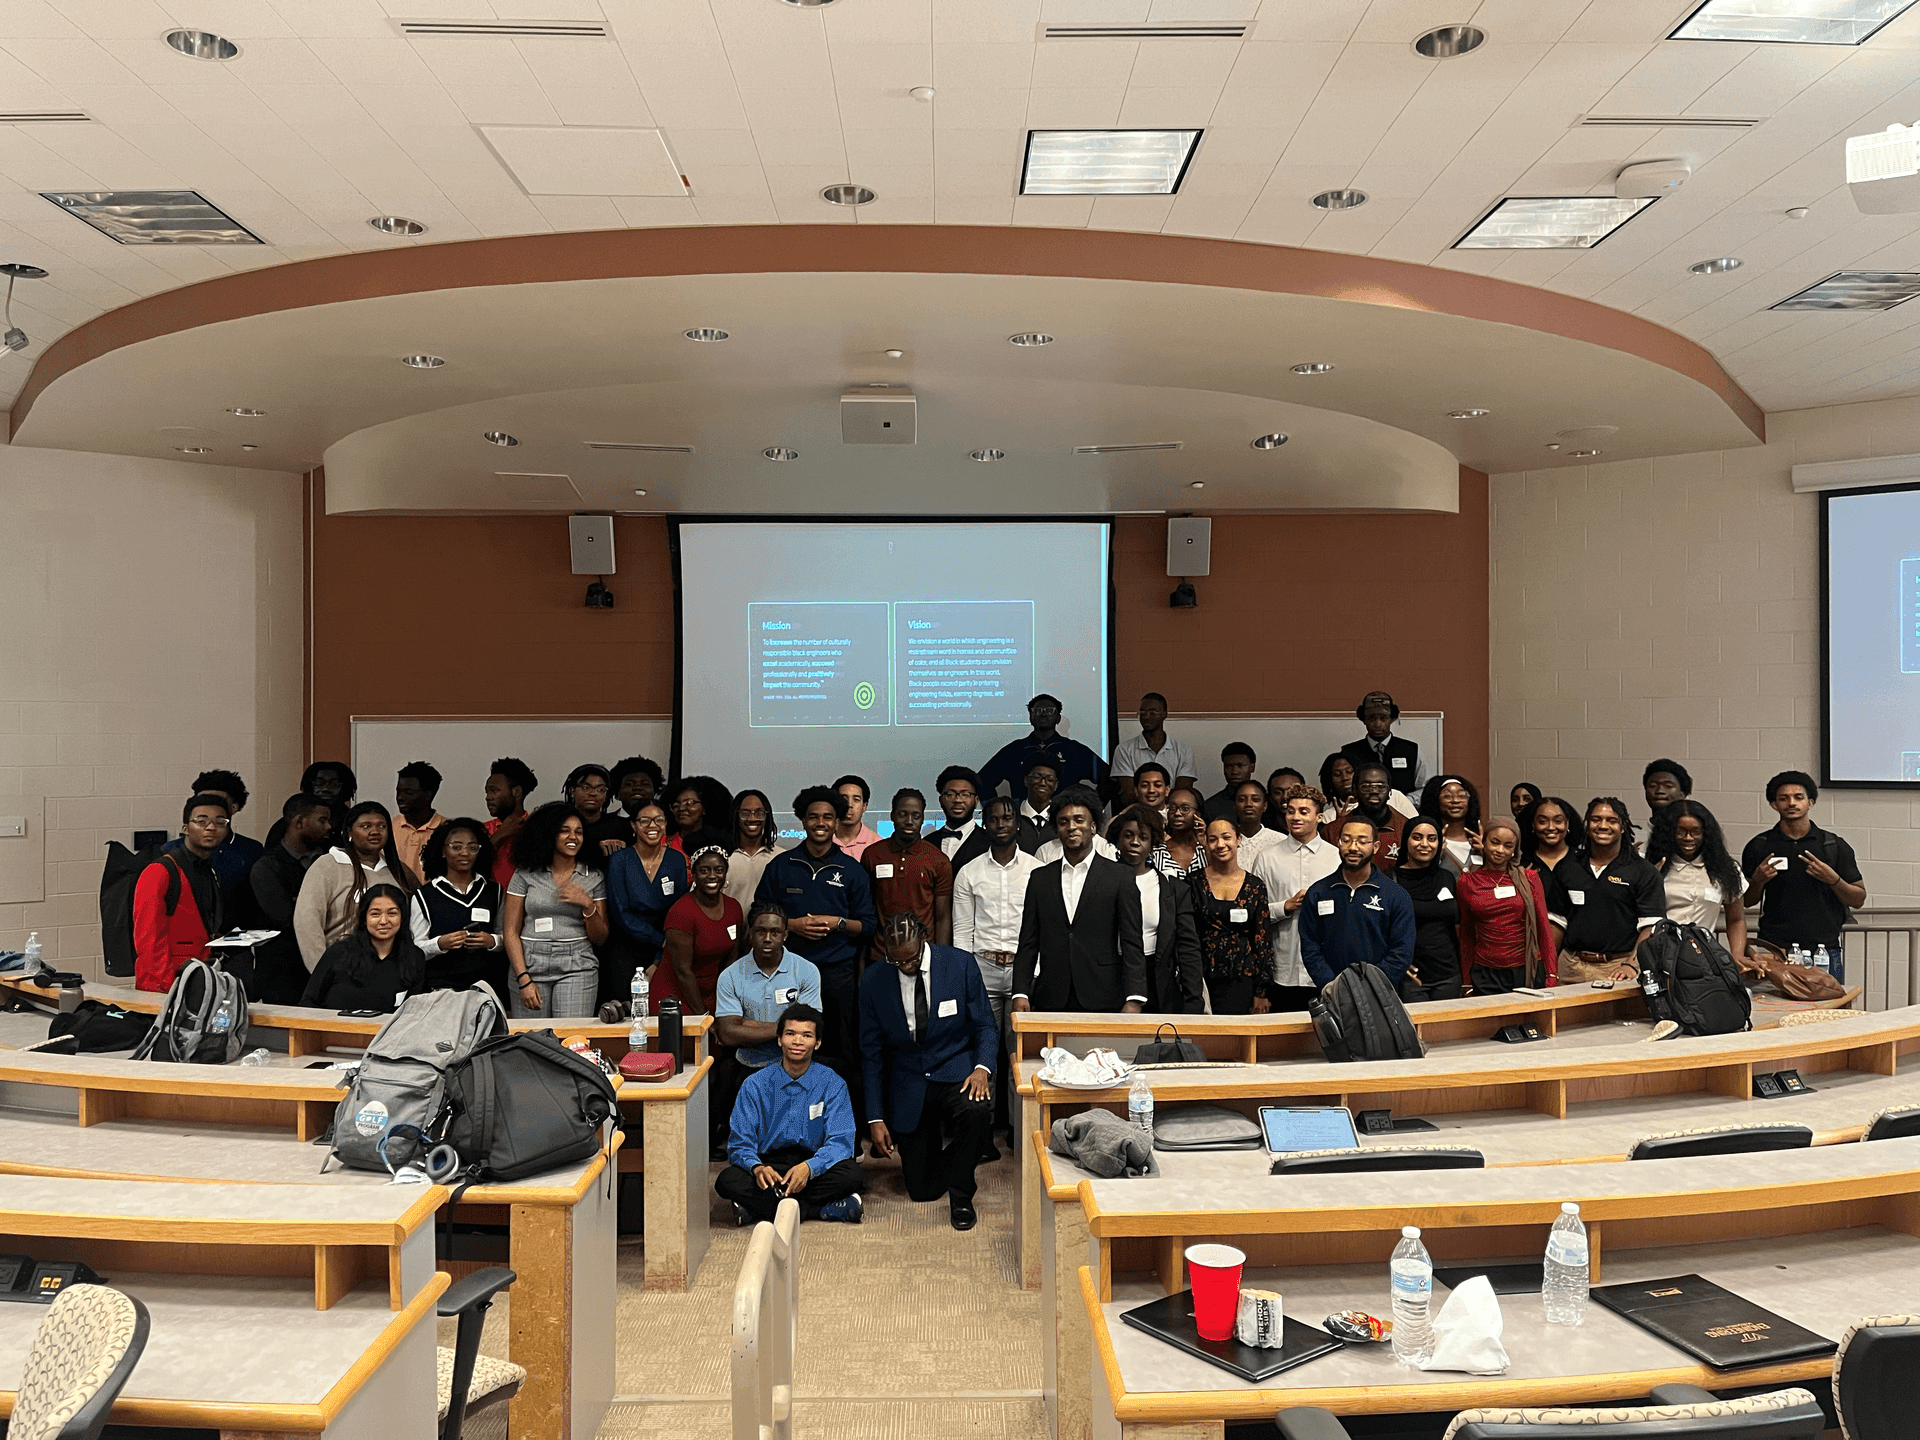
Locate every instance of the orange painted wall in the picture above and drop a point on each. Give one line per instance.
(1302, 612)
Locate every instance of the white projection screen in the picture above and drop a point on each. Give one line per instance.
(886, 649)
(1870, 637)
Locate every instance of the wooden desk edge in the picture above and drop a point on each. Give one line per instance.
(224, 1230)
(643, 1091)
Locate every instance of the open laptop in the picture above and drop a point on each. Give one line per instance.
(1308, 1127)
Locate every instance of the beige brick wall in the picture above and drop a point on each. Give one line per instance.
(1671, 607)
(152, 629)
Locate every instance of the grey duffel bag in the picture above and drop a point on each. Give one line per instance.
(1204, 1127)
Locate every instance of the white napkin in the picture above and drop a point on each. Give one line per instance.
(1466, 1332)
(1100, 1067)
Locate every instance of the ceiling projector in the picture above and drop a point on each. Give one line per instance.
(1883, 171)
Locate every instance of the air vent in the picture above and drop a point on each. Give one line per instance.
(1164, 30)
(1673, 122)
(1127, 449)
(643, 449)
(532, 475)
(513, 29)
(43, 117)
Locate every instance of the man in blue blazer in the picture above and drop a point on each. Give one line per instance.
(928, 1044)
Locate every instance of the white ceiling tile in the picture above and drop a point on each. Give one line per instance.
(476, 61)
(1094, 12)
(1180, 64)
(622, 107)
(901, 181)
(575, 64)
(1070, 212)
(804, 147)
(1262, 65)
(103, 19)
(408, 109)
(714, 147)
(968, 179)
(1083, 64)
(1645, 20)
(579, 212)
(980, 147)
(987, 109)
(1074, 109)
(887, 110)
(1186, 108)
(387, 60)
(504, 104)
(892, 147)
(665, 26)
(696, 109)
(728, 182)
(334, 18)
(774, 110)
(903, 210)
(1308, 20)
(1671, 79)
(64, 61)
(887, 22)
(1508, 20)
(1214, 218)
(1174, 12)
(789, 184)
(984, 20)
(966, 208)
(983, 67)
(1211, 180)
(644, 213)
(736, 209)
(1130, 212)
(578, 161)
(1235, 145)
(810, 210)
(882, 67)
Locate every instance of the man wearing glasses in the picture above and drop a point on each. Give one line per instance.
(1072, 762)
(176, 901)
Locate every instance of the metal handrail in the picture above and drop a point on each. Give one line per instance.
(764, 1327)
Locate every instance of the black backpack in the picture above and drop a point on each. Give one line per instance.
(99, 1028)
(522, 1104)
(1359, 1017)
(1688, 977)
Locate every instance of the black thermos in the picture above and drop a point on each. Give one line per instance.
(668, 1041)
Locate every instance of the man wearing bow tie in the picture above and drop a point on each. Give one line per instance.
(961, 839)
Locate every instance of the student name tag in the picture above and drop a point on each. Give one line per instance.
(883, 872)
(1237, 916)
(733, 932)
(816, 1110)
(1446, 894)
(666, 886)
(786, 996)
(949, 1007)
(1504, 892)
(1326, 907)
(480, 915)
(793, 890)
(1578, 897)
(543, 924)
(399, 998)
(1398, 762)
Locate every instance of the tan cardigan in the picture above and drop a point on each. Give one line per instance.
(329, 905)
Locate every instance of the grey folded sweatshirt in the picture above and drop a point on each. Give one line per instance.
(1103, 1144)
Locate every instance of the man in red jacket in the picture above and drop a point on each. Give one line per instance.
(166, 936)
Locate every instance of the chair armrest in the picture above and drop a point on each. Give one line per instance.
(1681, 1395)
(1309, 1422)
(471, 1290)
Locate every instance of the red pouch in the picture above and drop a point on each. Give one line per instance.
(646, 1065)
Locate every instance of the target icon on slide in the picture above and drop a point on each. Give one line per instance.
(864, 695)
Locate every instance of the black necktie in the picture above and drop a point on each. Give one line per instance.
(920, 1006)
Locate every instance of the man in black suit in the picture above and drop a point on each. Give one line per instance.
(1080, 938)
(1380, 746)
(928, 1044)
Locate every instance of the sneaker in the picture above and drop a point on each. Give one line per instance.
(741, 1219)
(846, 1211)
(1666, 1030)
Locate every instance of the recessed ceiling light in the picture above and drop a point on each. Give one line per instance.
(1855, 290)
(1449, 41)
(1798, 212)
(194, 449)
(847, 194)
(202, 45)
(639, 492)
(1269, 442)
(1340, 199)
(1313, 367)
(1572, 222)
(1790, 22)
(986, 457)
(397, 225)
(245, 412)
(422, 362)
(1473, 413)
(1716, 267)
(706, 335)
(17, 271)
(249, 447)
(1196, 484)
(922, 93)
(780, 452)
(1106, 162)
(1029, 338)
(154, 217)
(500, 438)
(808, 4)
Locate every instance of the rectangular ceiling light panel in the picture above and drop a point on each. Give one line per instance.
(154, 217)
(1575, 222)
(1106, 162)
(1855, 290)
(586, 159)
(518, 29)
(1790, 22)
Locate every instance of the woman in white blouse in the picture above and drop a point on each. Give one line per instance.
(1702, 880)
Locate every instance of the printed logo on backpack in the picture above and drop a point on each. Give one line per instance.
(371, 1118)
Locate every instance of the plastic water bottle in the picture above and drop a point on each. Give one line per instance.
(637, 997)
(33, 952)
(1796, 956)
(1821, 961)
(1412, 1274)
(1140, 1105)
(1563, 1286)
(256, 1057)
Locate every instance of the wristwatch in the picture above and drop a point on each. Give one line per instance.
(840, 925)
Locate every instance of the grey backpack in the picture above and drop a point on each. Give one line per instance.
(403, 1080)
(203, 1020)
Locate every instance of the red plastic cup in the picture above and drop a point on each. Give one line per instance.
(1215, 1272)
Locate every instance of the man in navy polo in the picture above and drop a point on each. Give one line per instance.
(1072, 762)
(1355, 913)
(830, 919)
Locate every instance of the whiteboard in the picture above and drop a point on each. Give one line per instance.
(1300, 740)
(463, 749)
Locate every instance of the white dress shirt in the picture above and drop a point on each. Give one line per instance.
(1287, 867)
(1149, 883)
(950, 843)
(988, 899)
(1073, 879)
(1053, 850)
(906, 994)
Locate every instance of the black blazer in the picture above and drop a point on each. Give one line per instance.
(1097, 956)
(1173, 970)
(1400, 776)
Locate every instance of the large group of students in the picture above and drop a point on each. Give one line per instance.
(1080, 884)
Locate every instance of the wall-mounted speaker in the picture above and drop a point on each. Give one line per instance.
(1189, 546)
(591, 539)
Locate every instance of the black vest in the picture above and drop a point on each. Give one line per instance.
(1360, 752)
(447, 913)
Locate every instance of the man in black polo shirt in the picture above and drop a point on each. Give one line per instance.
(1808, 875)
(1236, 764)
(1614, 899)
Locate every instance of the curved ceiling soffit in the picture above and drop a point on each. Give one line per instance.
(907, 249)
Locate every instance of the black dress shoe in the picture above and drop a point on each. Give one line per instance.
(989, 1153)
(963, 1217)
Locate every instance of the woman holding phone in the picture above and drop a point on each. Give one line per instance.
(455, 916)
(556, 913)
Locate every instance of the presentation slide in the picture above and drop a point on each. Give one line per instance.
(812, 650)
(1873, 636)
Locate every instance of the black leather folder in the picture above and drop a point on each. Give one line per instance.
(1712, 1324)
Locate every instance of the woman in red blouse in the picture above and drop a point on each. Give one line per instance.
(1505, 940)
(705, 933)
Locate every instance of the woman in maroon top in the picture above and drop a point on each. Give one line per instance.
(1505, 940)
(705, 933)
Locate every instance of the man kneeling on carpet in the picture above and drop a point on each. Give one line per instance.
(929, 1043)
(792, 1134)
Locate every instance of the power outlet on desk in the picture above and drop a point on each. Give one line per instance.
(1518, 1034)
(1778, 1084)
(1381, 1122)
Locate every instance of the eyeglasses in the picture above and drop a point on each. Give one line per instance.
(753, 814)
(591, 787)
(210, 822)
(651, 822)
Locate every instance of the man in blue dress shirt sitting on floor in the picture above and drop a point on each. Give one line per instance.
(792, 1134)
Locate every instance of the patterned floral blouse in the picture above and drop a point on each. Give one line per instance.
(1236, 942)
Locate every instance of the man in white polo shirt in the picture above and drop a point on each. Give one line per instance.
(1152, 743)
